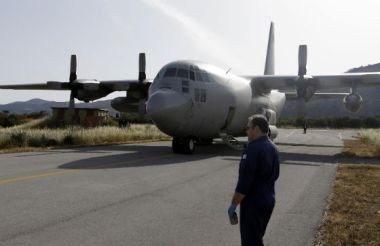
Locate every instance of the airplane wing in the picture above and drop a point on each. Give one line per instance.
(92, 89)
(294, 95)
(111, 85)
(44, 86)
(317, 82)
(124, 85)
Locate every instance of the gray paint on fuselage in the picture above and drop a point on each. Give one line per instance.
(225, 91)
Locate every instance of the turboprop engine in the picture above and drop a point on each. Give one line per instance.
(273, 132)
(125, 104)
(353, 102)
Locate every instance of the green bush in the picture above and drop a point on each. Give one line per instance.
(42, 141)
(68, 140)
(18, 139)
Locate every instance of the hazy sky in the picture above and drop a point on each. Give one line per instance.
(38, 37)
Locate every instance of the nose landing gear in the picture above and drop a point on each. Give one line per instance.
(183, 145)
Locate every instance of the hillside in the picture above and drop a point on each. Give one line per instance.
(37, 105)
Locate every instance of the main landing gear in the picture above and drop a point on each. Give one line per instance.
(183, 145)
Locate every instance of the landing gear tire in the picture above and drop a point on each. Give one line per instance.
(183, 145)
(188, 146)
(204, 141)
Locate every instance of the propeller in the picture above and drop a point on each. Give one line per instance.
(142, 78)
(302, 82)
(71, 86)
(302, 60)
(142, 66)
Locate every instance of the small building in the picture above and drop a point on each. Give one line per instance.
(87, 117)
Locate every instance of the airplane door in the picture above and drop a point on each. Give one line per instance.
(230, 116)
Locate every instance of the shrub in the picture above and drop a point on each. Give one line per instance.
(18, 139)
(68, 140)
(41, 141)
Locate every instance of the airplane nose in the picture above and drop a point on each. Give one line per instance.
(168, 109)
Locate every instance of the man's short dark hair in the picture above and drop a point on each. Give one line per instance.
(260, 121)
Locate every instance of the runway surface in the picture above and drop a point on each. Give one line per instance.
(142, 194)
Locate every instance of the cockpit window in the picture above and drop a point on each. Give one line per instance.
(183, 73)
(170, 72)
(198, 76)
(192, 75)
(205, 76)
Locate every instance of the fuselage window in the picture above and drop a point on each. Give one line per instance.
(203, 95)
(198, 76)
(196, 94)
(183, 73)
(185, 83)
(192, 75)
(170, 72)
(185, 86)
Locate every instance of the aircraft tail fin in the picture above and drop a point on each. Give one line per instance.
(269, 62)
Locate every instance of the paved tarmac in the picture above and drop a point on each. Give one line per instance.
(142, 194)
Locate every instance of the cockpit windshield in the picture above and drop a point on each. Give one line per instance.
(194, 73)
(170, 72)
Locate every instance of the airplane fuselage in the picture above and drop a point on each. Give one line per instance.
(195, 99)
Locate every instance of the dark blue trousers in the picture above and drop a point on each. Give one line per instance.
(254, 219)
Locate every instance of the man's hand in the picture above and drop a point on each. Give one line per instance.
(232, 214)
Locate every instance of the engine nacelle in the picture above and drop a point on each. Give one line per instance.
(353, 102)
(273, 132)
(125, 104)
(89, 95)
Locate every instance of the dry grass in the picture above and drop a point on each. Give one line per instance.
(367, 145)
(371, 136)
(353, 216)
(26, 138)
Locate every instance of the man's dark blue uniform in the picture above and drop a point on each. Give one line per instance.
(258, 171)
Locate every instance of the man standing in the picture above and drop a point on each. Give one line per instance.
(258, 171)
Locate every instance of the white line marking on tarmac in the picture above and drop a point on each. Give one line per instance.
(291, 133)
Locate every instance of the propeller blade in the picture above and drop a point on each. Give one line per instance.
(72, 106)
(302, 60)
(142, 64)
(142, 107)
(73, 68)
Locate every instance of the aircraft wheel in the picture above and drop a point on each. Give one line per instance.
(204, 141)
(176, 145)
(188, 146)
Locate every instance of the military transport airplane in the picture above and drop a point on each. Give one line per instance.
(196, 102)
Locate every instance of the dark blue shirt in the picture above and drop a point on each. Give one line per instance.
(259, 169)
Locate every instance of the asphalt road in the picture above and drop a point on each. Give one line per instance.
(142, 194)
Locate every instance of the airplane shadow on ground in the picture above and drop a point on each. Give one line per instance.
(308, 145)
(142, 155)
